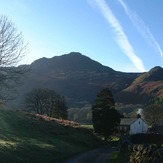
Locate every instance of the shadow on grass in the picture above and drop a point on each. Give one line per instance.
(25, 138)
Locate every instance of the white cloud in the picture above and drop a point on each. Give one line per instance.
(141, 27)
(120, 36)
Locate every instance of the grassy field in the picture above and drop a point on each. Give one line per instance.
(28, 138)
(87, 126)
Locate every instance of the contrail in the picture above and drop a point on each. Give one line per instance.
(120, 35)
(141, 27)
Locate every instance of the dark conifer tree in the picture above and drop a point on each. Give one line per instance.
(104, 115)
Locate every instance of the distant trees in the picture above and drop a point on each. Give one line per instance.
(81, 115)
(45, 101)
(153, 112)
(12, 50)
(104, 115)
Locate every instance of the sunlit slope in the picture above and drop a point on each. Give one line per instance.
(29, 138)
(144, 87)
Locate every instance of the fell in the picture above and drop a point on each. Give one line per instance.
(26, 137)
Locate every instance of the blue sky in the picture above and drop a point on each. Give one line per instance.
(125, 35)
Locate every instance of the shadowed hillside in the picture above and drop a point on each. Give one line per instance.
(75, 76)
(73, 61)
(31, 138)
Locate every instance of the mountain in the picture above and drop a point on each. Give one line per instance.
(68, 62)
(147, 85)
(80, 78)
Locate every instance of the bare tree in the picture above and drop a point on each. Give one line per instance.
(45, 101)
(153, 111)
(153, 114)
(12, 50)
(12, 47)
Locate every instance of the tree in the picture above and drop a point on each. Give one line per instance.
(104, 115)
(12, 50)
(60, 106)
(45, 101)
(153, 112)
(35, 100)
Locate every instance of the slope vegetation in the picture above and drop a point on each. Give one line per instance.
(32, 138)
(147, 85)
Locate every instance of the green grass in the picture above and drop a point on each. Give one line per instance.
(87, 126)
(114, 157)
(27, 138)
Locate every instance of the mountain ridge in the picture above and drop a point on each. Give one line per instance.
(79, 79)
(69, 61)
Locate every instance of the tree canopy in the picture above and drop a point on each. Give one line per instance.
(45, 101)
(104, 115)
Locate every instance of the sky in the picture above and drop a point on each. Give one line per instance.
(126, 35)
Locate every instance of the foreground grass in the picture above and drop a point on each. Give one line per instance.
(87, 126)
(113, 158)
(28, 138)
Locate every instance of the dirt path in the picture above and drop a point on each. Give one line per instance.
(100, 155)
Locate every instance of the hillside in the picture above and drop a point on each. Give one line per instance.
(79, 79)
(147, 85)
(30, 138)
(75, 76)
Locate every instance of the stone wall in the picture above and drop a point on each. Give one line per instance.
(139, 153)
